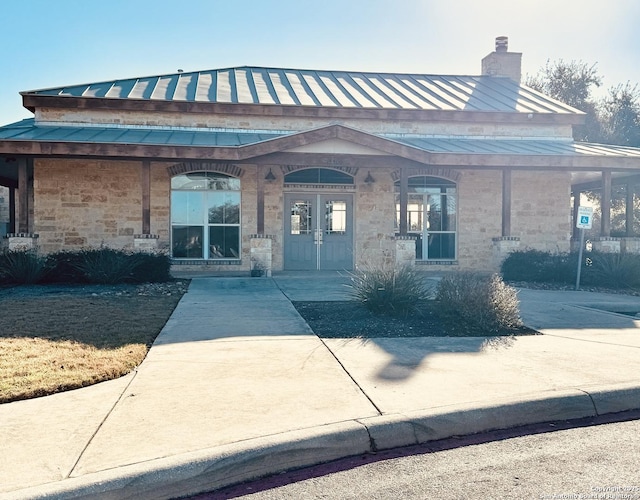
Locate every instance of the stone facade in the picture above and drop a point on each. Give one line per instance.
(257, 122)
(541, 211)
(87, 203)
(92, 203)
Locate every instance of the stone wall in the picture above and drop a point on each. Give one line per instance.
(374, 211)
(82, 203)
(257, 122)
(541, 211)
(479, 218)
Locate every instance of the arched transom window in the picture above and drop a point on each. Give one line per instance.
(431, 216)
(205, 216)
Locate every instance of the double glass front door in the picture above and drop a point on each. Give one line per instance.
(318, 232)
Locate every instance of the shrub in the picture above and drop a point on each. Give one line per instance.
(22, 267)
(98, 265)
(394, 292)
(65, 267)
(539, 266)
(485, 301)
(110, 266)
(612, 270)
(106, 265)
(152, 267)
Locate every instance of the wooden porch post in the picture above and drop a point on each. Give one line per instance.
(260, 200)
(23, 196)
(628, 212)
(12, 210)
(404, 200)
(146, 196)
(605, 204)
(506, 202)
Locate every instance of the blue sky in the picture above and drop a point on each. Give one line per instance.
(49, 43)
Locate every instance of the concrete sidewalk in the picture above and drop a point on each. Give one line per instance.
(237, 386)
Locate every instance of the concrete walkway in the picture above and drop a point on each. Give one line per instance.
(237, 386)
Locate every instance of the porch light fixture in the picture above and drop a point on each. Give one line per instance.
(270, 177)
(369, 178)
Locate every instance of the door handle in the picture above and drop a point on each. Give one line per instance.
(317, 236)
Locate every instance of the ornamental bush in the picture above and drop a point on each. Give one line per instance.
(394, 292)
(541, 267)
(609, 270)
(612, 270)
(110, 266)
(485, 301)
(94, 265)
(22, 267)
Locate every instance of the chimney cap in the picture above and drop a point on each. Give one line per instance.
(502, 43)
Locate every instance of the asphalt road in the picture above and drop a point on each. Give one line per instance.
(583, 462)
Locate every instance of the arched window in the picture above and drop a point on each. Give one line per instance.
(205, 216)
(318, 176)
(431, 216)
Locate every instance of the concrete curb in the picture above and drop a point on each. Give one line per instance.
(207, 470)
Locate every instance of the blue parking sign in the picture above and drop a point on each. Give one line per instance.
(584, 218)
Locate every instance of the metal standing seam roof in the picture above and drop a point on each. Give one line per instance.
(27, 130)
(333, 89)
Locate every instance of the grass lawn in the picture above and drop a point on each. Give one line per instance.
(55, 338)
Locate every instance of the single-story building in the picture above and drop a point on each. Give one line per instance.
(290, 169)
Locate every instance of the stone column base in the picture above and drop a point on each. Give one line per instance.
(502, 246)
(630, 245)
(606, 244)
(19, 241)
(145, 242)
(405, 250)
(261, 255)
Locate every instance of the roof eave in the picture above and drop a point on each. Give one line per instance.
(33, 101)
(249, 153)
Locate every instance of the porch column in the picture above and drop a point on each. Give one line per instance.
(145, 242)
(506, 202)
(12, 210)
(23, 197)
(605, 204)
(404, 200)
(260, 200)
(146, 196)
(628, 212)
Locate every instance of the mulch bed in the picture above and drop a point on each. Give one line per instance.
(349, 319)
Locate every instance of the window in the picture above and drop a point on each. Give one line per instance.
(431, 216)
(318, 176)
(205, 216)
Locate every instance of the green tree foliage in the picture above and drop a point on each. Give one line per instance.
(613, 119)
(620, 115)
(572, 83)
(569, 82)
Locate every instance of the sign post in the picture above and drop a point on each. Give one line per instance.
(584, 221)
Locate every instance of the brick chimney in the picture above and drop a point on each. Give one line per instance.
(502, 62)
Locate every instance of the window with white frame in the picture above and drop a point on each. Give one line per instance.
(205, 216)
(431, 216)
